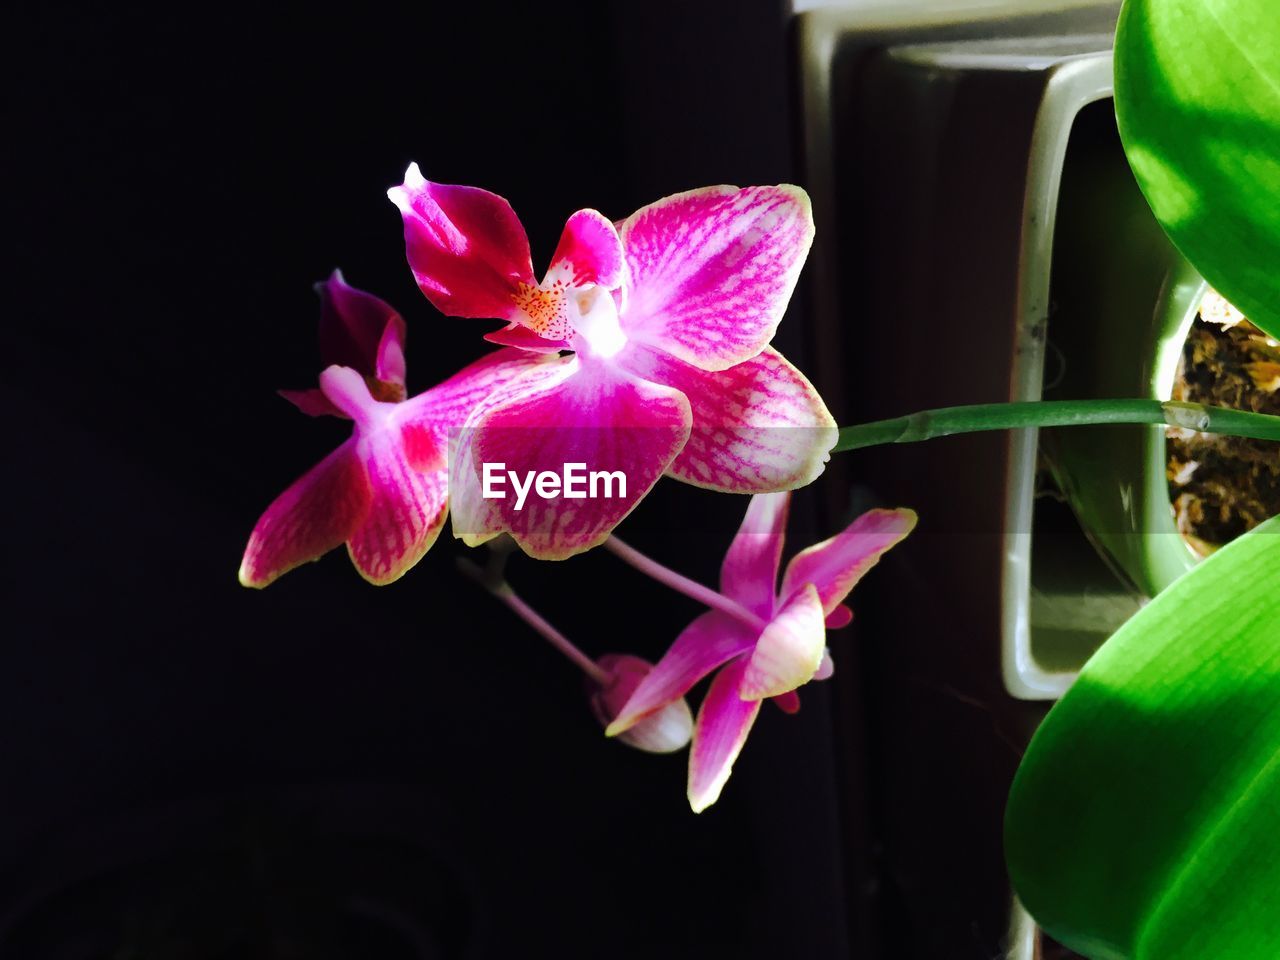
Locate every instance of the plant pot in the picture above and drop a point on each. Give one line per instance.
(1124, 301)
(1120, 300)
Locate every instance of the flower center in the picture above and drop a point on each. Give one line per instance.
(594, 317)
(544, 308)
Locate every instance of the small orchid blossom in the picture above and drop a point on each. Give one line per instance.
(666, 730)
(384, 491)
(359, 331)
(668, 316)
(754, 663)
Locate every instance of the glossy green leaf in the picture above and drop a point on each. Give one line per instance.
(1198, 102)
(1144, 822)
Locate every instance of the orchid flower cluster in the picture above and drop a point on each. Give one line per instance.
(642, 352)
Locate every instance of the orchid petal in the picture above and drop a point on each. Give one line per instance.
(477, 519)
(390, 366)
(663, 731)
(710, 641)
(350, 395)
(788, 702)
(314, 515)
(840, 616)
(415, 466)
(465, 246)
(312, 402)
(789, 650)
(710, 271)
(601, 420)
(724, 720)
(515, 335)
(360, 331)
(758, 427)
(590, 251)
(826, 668)
(749, 573)
(407, 509)
(835, 565)
(447, 406)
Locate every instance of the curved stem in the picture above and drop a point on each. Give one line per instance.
(682, 584)
(946, 421)
(502, 590)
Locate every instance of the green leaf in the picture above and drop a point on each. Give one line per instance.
(1143, 822)
(1198, 102)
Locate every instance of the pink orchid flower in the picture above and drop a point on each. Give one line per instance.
(785, 651)
(668, 316)
(384, 491)
(359, 331)
(666, 730)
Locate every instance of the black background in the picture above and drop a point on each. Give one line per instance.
(178, 177)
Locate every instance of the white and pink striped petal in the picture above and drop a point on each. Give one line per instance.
(446, 407)
(758, 427)
(476, 519)
(836, 565)
(721, 729)
(707, 643)
(790, 649)
(315, 514)
(407, 507)
(385, 491)
(749, 573)
(622, 428)
(710, 271)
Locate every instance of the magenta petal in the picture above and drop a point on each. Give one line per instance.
(448, 405)
(407, 507)
(835, 565)
(711, 270)
(477, 519)
(589, 251)
(840, 616)
(724, 720)
(316, 514)
(312, 402)
(749, 573)
(788, 702)
(757, 427)
(465, 246)
(789, 650)
(611, 426)
(516, 335)
(664, 731)
(705, 644)
(390, 364)
(360, 331)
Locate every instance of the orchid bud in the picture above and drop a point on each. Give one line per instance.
(664, 731)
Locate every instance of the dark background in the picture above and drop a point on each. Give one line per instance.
(186, 762)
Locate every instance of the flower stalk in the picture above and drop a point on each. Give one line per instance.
(947, 421)
(491, 579)
(682, 584)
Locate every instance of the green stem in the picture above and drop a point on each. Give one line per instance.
(946, 421)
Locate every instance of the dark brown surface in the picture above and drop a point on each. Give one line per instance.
(1220, 486)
